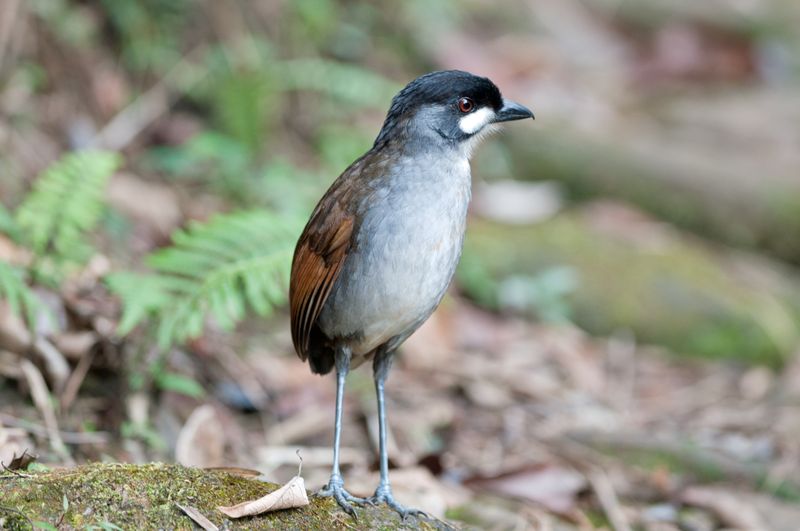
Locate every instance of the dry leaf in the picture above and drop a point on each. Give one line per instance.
(14, 335)
(554, 487)
(732, 509)
(291, 495)
(201, 441)
(198, 517)
(21, 462)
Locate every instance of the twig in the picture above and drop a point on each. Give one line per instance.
(604, 491)
(55, 362)
(69, 437)
(75, 380)
(19, 463)
(41, 398)
(197, 517)
(13, 473)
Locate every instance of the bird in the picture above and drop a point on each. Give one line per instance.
(381, 247)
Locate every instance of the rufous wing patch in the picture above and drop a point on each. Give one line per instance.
(318, 260)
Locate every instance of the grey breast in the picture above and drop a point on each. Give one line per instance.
(406, 251)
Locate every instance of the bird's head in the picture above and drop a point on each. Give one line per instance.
(448, 109)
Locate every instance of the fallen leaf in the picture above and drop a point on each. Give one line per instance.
(21, 462)
(201, 441)
(75, 344)
(289, 496)
(197, 517)
(554, 487)
(731, 509)
(14, 335)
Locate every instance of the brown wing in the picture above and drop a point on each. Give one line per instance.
(318, 259)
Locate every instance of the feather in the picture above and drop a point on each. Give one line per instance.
(318, 258)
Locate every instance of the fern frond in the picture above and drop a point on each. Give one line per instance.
(244, 106)
(16, 293)
(65, 203)
(141, 294)
(216, 270)
(8, 226)
(346, 82)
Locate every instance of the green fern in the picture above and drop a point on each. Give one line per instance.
(245, 106)
(66, 203)
(148, 31)
(247, 88)
(345, 82)
(213, 270)
(16, 293)
(7, 224)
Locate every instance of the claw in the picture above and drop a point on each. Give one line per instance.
(384, 495)
(335, 488)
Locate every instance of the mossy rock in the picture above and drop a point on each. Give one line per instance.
(678, 293)
(147, 497)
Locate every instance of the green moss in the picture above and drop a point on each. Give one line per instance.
(678, 294)
(146, 497)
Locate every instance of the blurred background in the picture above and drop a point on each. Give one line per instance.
(619, 349)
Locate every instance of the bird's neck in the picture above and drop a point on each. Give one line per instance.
(427, 146)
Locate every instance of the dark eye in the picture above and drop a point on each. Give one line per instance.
(465, 105)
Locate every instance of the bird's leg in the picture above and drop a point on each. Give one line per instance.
(381, 366)
(335, 486)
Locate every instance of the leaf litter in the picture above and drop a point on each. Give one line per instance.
(291, 495)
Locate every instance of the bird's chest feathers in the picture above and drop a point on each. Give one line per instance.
(414, 228)
(406, 251)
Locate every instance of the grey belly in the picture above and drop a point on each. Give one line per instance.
(401, 267)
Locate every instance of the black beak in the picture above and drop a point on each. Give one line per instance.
(512, 111)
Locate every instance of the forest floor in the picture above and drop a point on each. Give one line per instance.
(665, 145)
(493, 421)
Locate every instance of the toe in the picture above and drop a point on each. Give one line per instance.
(384, 495)
(335, 489)
(344, 504)
(354, 499)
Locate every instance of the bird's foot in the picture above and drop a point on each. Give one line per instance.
(335, 488)
(383, 494)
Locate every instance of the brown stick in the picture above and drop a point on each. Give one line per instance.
(607, 497)
(75, 380)
(41, 398)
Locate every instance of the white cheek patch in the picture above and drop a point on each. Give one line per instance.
(474, 122)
